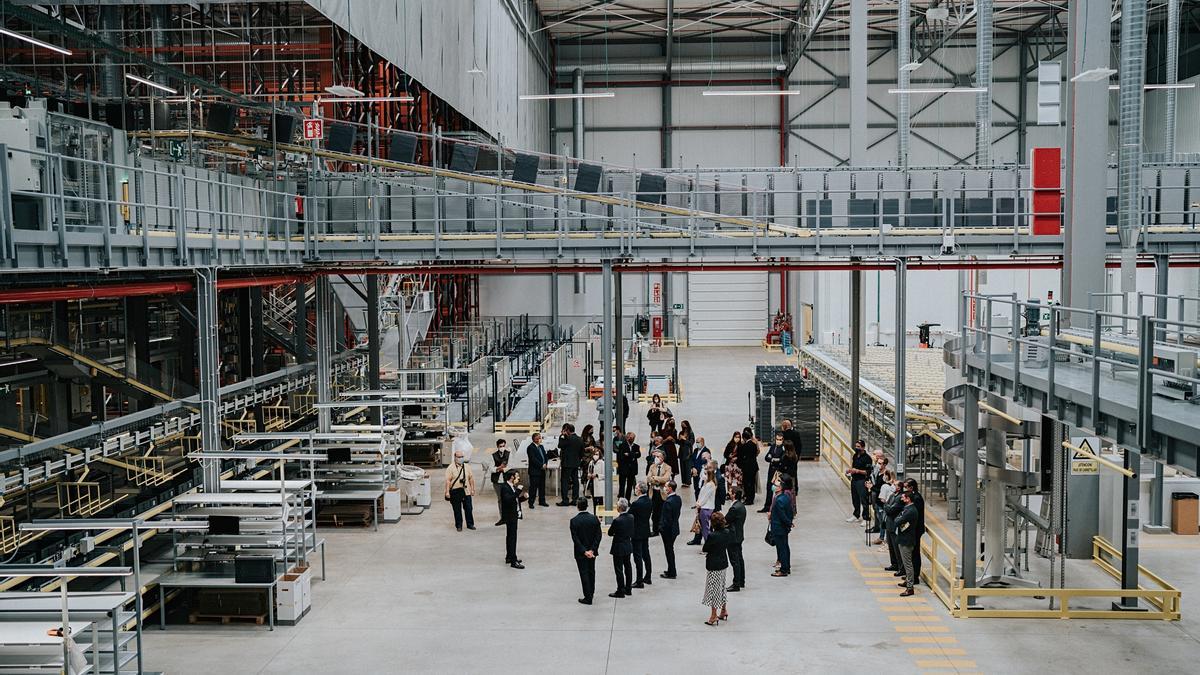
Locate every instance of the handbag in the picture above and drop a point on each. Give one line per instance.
(770, 538)
(696, 525)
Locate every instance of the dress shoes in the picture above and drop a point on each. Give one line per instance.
(646, 581)
(516, 566)
(639, 585)
(733, 589)
(470, 527)
(617, 594)
(907, 592)
(499, 523)
(459, 528)
(585, 601)
(664, 575)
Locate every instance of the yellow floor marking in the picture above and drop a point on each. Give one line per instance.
(881, 582)
(945, 663)
(929, 639)
(915, 618)
(922, 629)
(936, 651)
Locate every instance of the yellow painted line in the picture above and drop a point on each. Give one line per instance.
(945, 663)
(937, 651)
(911, 600)
(929, 639)
(854, 560)
(879, 574)
(922, 629)
(914, 618)
(881, 583)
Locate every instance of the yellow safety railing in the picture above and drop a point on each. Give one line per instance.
(1108, 558)
(939, 568)
(836, 450)
(1064, 597)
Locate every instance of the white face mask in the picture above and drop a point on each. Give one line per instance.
(658, 460)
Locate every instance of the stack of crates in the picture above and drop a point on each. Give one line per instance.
(781, 392)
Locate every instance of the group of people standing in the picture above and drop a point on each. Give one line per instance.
(897, 509)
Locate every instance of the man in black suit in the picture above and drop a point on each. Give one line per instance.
(641, 509)
(510, 501)
(585, 533)
(907, 539)
(500, 459)
(570, 453)
(735, 521)
(789, 433)
(537, 471)
(627, 468)
(918, 502)
(668, 526)
(621, 532)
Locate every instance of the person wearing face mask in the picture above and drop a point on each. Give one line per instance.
(627, 465)
(641, 509)
(700, 460)
(460, 487)
(500, 459)
(621, 532)
(668, 526)
(774, 459)
(510, 505)
(658, 477)
(585, 534)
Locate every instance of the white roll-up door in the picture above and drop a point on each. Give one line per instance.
(726, 308)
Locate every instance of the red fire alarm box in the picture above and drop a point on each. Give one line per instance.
(1046, 179)
(656, 329)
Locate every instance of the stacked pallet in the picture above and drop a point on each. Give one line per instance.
(780, 392)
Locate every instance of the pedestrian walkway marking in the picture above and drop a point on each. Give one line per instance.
(947, 663)
(915, 618)
(929, 639)
(922, 629)
(937, 651)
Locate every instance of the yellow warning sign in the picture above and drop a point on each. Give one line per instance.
(1083, 463)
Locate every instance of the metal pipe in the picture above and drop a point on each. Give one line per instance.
(1172, 74)
(856, 335)
(1132, 74)
(969, 506)
(606, 354)
(901, 346)
(658, 66)
(983, 79)
(903, 57)
(39, 295)
(577, 118)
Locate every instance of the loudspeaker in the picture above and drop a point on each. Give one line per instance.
(121, 116)
(464, 158)
(340, 138)
(224, 525)
(650, 187)
(402, 148)
(220, 118)
(283, 128)
(587, 178)
(253, 569)
(526, 168)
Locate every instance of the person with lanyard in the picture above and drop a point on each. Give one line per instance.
(658, 477)
(500, 459)
(774, 456)
(460, 487)
(859, 471)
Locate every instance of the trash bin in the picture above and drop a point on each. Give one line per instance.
(1185, 513)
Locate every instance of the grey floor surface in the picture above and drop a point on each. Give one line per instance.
(418, 597)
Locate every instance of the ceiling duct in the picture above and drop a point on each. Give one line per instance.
(658, 66)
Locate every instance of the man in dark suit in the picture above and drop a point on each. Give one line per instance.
(735, 521)
(641, 509)
(907, 538)
(918, 501)
(585, 533)
(570, 453)
(668, 526)
(624, 411)
(537, 471)
(628, 453)
(790, 434)
(510, 501)
(621, 532)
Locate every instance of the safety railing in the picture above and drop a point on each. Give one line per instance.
(1063, 600)
(1167, 600)
(940, 568)
(836, 451)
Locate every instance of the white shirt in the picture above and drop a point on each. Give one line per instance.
(597, 468)
(885, 492)
(708, 496)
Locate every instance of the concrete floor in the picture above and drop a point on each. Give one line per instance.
(419, 597)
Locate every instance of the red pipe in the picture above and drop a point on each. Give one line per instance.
(93, 292)
(252, 282)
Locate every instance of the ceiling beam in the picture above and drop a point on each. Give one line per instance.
(797, 43)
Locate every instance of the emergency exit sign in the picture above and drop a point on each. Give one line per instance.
(314, 129)
(678, 305)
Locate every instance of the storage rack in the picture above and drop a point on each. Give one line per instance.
(781, 392)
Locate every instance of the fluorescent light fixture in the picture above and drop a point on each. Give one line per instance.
(86, 524)
(35, 41)
(910, 67)
(365, 99)
(16, 363)
(948, 90)
(150, 83)
(340, 90)
(1180, 85)
(1094, 75)
(750, 92)
(556, 97)
(475, 70)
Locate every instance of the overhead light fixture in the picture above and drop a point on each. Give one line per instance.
(947, 90)
(340, 90)
(1180, 85)
(364, 99)
(556, 97)
(1094, 75)
(910, 67)
(150, 83)
(475, 70)
(750, 92)
(35, 41)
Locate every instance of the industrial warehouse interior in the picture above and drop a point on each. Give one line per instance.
(599, 336)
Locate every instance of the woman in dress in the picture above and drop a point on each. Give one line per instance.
(716, 561)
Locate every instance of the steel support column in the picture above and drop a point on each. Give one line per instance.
(300, 327)
(856, 341)
(901, 447)
(137, 348)
(1154, 523)
(374, 339)
(1131, 533)
(324, 349)
(983, 78)
(606, 354)
(60, 391)
(554, 318)
(1172, 76)
(969, 504)
(668, 115)
(210, 367)
(577, 117)
(1086, 156)
(903, 58)
(618, 346)
(859, 141)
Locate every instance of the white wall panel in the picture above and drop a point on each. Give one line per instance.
(727, 148)
(727, 308)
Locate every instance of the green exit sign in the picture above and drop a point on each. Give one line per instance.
(678, 305)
